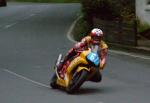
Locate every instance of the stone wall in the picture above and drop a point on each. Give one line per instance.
(117, 32)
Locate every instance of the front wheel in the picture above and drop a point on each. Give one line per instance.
(53, 81)
(77, 81)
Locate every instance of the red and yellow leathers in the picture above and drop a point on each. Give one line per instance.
(82, 45)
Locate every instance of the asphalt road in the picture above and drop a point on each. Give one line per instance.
(31, 37)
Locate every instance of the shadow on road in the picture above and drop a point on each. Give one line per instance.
(89, 90)
(93, 90)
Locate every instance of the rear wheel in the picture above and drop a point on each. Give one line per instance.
(77, 81)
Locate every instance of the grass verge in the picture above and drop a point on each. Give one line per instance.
(141, 27)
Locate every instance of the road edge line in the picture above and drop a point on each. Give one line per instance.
(69, 33)
(25, 78)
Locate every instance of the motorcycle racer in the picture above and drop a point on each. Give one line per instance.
(94, 38)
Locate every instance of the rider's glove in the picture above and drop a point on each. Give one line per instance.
(102, 64)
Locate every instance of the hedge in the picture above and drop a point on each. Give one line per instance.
(123, 10)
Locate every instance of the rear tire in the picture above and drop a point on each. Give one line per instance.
(77, 81)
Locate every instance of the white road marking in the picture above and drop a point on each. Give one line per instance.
(27, 17)
(32, 14)
(70, 30)
(10, 25)
(129, 54)
(25, 78)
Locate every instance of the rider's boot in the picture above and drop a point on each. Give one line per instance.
(59, 66)
(60, 70)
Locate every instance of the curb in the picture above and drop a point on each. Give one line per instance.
(147, 8)
(130, 49)
(70, 32)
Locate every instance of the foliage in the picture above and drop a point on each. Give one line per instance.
(50, 1)
(97, 8)
(141, 27)
(109, 9)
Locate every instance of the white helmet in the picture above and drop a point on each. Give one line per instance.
(96, 35)
(96, 32)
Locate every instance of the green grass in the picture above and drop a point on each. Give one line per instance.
(142, 26)
(50, 1)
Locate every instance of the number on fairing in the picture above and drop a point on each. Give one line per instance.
(93, 57)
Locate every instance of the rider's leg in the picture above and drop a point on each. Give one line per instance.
(70, 54)
(61, 68)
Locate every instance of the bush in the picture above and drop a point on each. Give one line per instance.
(53, 1)
(109, 10)
(141, 27)
(103, 9)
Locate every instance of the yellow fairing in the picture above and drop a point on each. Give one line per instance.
(85, 53)
(61, 82)
(103, 45)
(79, 60)
(82, 68)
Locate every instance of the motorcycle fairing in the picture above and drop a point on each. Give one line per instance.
(94, 58)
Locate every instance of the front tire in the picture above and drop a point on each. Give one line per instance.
(53, 81)
(77, 81)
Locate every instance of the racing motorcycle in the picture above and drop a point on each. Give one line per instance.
(82, 68)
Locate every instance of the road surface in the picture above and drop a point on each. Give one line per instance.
(31, 37)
